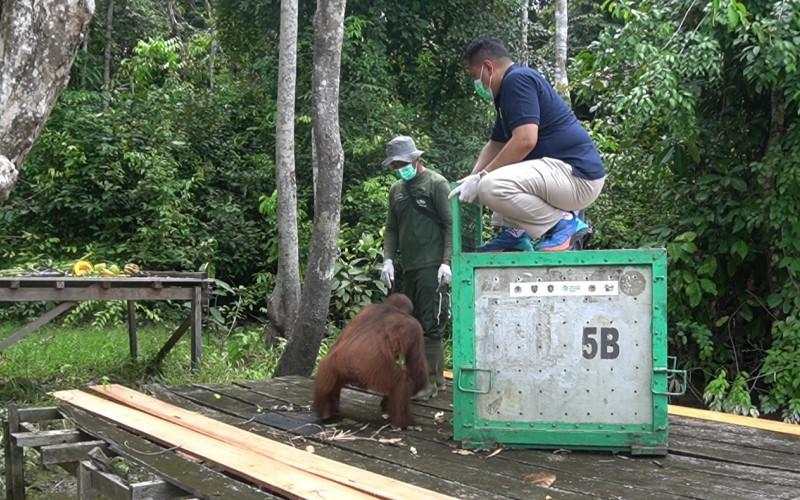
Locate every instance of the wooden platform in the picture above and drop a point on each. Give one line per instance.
(706, 460)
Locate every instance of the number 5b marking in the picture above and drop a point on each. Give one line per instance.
(609, 346)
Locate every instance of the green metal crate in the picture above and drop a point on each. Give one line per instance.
(559, 350)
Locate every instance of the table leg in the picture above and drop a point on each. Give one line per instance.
(132, 333)
(197, 327)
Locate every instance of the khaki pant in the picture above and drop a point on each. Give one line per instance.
(533, 195)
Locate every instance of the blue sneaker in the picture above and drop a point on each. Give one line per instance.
(582, 226)
(559, 237)
(509, 239)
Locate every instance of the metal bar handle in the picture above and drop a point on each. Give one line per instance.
(463, 369)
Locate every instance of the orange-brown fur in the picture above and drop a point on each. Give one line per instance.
(381, 349)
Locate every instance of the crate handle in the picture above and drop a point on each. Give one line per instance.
(462, 369)
(669, 372)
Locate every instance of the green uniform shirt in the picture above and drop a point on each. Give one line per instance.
(412, 237)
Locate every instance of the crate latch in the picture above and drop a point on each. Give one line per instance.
(671, 381)
(459, 378)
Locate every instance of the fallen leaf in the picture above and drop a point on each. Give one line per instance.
(542, 478)
(310, 449)
(495, 452)
(548, 497)
(413, 451)
(438, 417)
(385, 416)
(463, 452)
(217, 396)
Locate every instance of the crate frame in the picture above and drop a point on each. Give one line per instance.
(475, 432)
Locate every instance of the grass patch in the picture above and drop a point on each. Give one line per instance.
(64, 357)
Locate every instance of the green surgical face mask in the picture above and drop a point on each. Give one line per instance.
(481, 89)
(406, 173)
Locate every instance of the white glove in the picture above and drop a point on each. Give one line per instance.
(445, 274)
(467, 188)
(387, 273)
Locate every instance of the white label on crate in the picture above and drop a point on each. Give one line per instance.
(563, 288)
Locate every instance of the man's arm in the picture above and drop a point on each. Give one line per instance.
(488, 153)
(523, 140)
(442, 203)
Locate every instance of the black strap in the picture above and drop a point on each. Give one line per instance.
(431, 214)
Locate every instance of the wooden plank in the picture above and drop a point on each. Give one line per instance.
(36, 324)
(94, 292)
(271, 424)
(40, 414)
(727, 418)
(198, 480)
(45, 438)
(133, 340)
(56, 454)
(277, 476)
(15, 471)
(97, 482)
(197, 328)
(736, 435)
(84, 477)
(170, 343)
(362, 480)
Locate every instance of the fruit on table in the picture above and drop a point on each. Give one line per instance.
(131, 269)
(82, 268)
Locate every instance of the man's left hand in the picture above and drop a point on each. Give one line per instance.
(445, 275)
(467, 189)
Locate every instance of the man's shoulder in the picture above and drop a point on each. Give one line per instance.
(523, 76)
(437, 178)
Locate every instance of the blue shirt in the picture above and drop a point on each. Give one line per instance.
(526, 97)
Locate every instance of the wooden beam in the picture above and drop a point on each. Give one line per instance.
(133, 340)
(15, 470)
(198, 480)
(284, 479)
(45, 438)
(55, 454)
(170, 343)
(197, 328)
(365, 481)
(40, 414)
(727, 418)
(93, 292)
(36, 324)
(146, 281)
(95, 483)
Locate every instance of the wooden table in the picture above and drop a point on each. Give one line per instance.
(67, 292)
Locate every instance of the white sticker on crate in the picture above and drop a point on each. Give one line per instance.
(563, 288)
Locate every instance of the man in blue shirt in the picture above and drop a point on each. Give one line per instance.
(540, 167)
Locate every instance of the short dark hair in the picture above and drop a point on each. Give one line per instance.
(485, 47)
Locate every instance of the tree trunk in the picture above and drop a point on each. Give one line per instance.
(38, 43)
(173, 20)
(524, 41)
(109, 42)
(562, 83)
(303, 346)
(285, 297)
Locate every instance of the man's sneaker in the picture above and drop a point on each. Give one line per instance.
(509, 239)
(559, 237)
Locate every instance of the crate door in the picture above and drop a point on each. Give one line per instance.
(564, 344)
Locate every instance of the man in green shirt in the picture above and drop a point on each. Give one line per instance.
(418, 237)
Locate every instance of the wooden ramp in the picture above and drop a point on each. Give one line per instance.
(706, 460)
